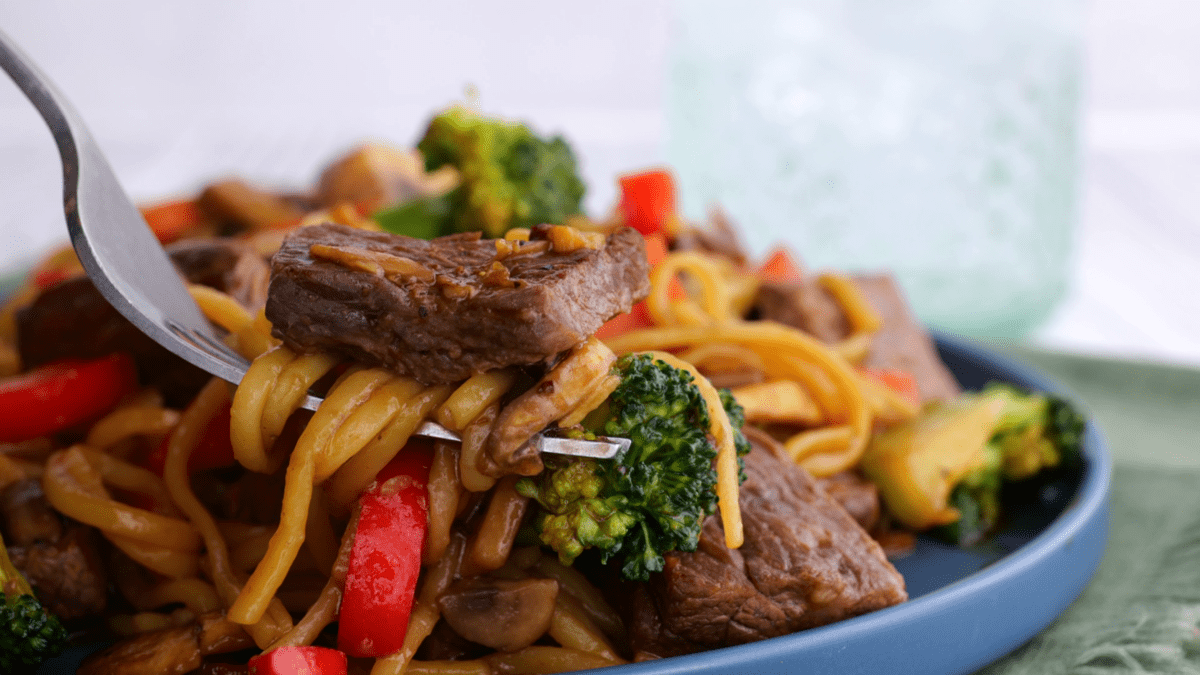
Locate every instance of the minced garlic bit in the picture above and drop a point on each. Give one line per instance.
(565, 239)
(373, 262)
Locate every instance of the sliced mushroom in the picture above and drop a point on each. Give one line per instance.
(500, 613)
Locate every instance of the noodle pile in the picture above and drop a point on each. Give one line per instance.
(369, 414)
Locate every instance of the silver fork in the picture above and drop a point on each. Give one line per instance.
(130, 269)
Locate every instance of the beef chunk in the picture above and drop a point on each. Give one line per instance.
(226, 265)
(902, 342)
(445, 309)
(803, 305)
(720, 236)
(805, 562)
(67, 575)
(28, 516)
(73, 320)
(856, 494)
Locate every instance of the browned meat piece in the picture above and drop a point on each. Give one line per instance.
(803, 305)
(173, 651)
(720, 237)
(72, 319)
(648, 637)
(67, 575)
(902, 342)
(445, 309)
(226, 265)
(804, 563)
(164, 652)
(28, 516)
(244, 206)
(856, 494)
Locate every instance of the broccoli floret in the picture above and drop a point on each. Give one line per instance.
(649, 500)
(28, 633)
(1036, 431)
(510, 178)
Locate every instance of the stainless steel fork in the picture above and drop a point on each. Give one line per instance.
(130, 269)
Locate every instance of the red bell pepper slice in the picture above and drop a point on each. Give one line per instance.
(381, 577)
(303, 660)
(780, 267)
(900, 381)
(171, 220)
(214, 450)
(648, 200)
(62, 395)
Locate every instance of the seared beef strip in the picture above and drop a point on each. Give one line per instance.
(902, 343)
(225, 264)
(68, 574)
(72, 319)
(803, 305)
(856, 494)
(445, 309)
(805, 562)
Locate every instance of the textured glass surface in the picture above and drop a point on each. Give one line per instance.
(935, 138)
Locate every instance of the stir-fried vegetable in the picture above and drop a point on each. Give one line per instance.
(381, 578)
(653, 498)
(28, 634)
(61, 395)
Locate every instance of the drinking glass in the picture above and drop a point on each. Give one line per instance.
(938, 139)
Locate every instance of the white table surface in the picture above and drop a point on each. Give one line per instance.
(179, 94)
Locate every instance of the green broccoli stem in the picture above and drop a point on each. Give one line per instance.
(11, 579)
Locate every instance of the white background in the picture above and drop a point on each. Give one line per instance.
(181, 93)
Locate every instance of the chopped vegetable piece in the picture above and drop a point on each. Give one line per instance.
(656, 248)
(649, 500)
(919, 463)
(780, 268)
(171, 220)
(381, 578)
(637, 317)
(302, 660)
(61, 395)
(648, 200)
(421, 218)
(900, 381)
(214, 450)
(28, 634)
(510, 176)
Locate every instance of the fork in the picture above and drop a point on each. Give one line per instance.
(131, 270)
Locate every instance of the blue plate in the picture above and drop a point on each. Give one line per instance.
(968, 607)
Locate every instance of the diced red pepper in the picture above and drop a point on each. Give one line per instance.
(60, 265)
(780, 267)
(900, 381)
(381, 577)
(62, 395)
(171, 220)
(656, 248)
(637, 317)
(214, 450)
(648, 200)
(303, 660)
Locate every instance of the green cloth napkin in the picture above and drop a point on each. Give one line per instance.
(1141, 612)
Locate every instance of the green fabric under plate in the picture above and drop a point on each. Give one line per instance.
(1141, 613)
